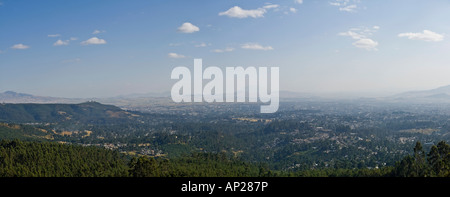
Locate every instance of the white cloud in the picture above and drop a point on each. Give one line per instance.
(237, 12)
(256, 46)
(340, 2)
(299, 1)
(346, 5)
(362, 36)
(203, 45)
(335, 4)
(293, 10)
(349, 8)
(61, 43)
(93, 40)
(188, 28)
(228, 49)
(54, 35)
(426, 35)
(175, 56)
(271, 6)
(98, 31)
(73, 38)
(366, 43)
(352, 34)
(20, 46)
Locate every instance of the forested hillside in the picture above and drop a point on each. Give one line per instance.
(49, 159)
(45, 159)
(87, 113)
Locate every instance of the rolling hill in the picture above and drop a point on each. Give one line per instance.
(440, 94)
(87, 113)
(15, 97)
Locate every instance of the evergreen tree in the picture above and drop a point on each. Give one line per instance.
(419, 160)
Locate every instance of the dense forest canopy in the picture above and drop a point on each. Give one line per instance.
(49, 159)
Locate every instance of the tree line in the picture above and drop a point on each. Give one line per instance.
(435, 163)
(50, 159)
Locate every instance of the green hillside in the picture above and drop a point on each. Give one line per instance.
(48, 159)
(89, 113)
(23, 132)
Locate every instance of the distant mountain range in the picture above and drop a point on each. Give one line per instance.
(14, 97)
(441, 94)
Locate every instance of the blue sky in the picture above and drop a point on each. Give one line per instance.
(102, 48)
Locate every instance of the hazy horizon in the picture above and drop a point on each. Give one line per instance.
(75, 49)
(284, 94)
